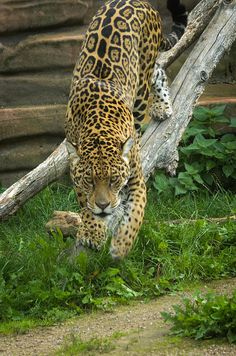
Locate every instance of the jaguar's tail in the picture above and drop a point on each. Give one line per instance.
(180, 20)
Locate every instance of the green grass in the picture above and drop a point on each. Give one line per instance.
(75, 346)
(40, 286)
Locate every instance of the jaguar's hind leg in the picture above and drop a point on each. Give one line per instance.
(161, 108)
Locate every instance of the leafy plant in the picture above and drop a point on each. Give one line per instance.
(207, 156)
(205, 317)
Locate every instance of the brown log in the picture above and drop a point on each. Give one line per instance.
(22, 122)
(23, 15)
(41, 52)
(160, 141)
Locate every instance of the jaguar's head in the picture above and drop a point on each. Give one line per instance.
(100, 172)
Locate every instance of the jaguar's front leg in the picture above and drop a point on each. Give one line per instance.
(92, 231)
(161, 107)
(128, 229)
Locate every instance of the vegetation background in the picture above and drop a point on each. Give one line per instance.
(41, 285)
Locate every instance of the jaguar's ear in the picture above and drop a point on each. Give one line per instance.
(126, 148)
(71, 149)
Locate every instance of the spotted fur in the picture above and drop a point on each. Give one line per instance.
(108, 99)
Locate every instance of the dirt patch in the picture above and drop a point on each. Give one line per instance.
(144, 331)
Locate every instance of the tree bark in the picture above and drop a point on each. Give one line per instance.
(160, 140)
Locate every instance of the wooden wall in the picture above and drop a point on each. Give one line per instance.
(39, 43)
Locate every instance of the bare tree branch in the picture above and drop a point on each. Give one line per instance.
(199, 17)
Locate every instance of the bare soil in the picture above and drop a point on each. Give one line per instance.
(140, 323)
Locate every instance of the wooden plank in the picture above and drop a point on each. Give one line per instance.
(47, 88)
(27, 154)
(40, 52)
(31, 121)
(23, 15)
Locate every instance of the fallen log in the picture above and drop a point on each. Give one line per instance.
(160, 140)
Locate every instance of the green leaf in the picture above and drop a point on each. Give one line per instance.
(231, 336)
(201, 113)
(111, 272)
(82, 260)
(198, 179)
(193, 131)
(193, 148)
(203, 142)
(228, 169)
(233, 122)
(221, 120)
(208, 178)
(230, 145)
(191, 169)
(179, 189)
(211, 132)
(218, 110)
(208, 316)
(161, 182)
(228, 138)
(185, 179)
(210, 164)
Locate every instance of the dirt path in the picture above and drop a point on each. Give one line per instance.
(143, 330)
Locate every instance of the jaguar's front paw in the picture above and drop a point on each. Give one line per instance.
(157, 113)
(66, 221)
(94, 238)
(119, 248)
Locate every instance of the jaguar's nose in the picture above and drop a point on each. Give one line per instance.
(102, 205)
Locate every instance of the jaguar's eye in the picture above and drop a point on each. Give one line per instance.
(88, 180)
(114, 179)
(76, 181)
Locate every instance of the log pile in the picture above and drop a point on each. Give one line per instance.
(39, 43)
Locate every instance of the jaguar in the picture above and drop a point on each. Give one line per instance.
(115, 73)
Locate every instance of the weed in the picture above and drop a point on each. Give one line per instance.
(207, 157)
(205, 317)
